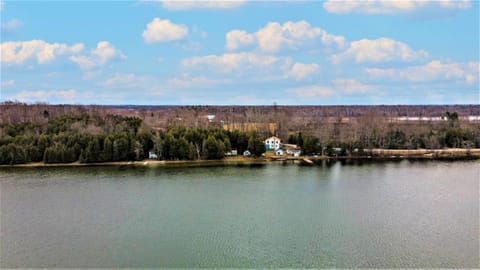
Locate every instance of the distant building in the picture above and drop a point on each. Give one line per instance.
(152, 155)
(211, 117)
(472, 118)
(423, 118)
(231, 153)
(272, 143)
(294, 152)
(247, 153)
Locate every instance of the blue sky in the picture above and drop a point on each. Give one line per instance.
(240, 52)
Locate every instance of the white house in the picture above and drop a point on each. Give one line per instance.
(272, 143)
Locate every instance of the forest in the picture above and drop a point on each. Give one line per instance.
(88, 139)
(90, 134)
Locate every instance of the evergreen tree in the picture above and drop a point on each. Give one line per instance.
(169, 150)
(158, 147)
(93, 152)
(182, 149)
(120, 149)
(145, 138)
(43, 143)
(107, 149)
(311, 145)
(300, 140)
(195, 137)
(228, 146)
(256, 145)
(212, 149)
(192, 151)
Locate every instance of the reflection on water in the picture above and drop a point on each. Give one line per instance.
(342, 214)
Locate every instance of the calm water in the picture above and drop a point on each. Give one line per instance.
(392, 214)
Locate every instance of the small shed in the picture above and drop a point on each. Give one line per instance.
(152, 155)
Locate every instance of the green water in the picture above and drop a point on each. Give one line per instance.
(389, 215)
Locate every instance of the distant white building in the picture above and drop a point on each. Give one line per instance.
(473, 118)
(247, 153)
(231, 153)
(211, 117)
(423, 118)
(294, 152)
(152, 155)
(272, 143)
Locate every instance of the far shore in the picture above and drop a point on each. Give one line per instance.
(368, 154)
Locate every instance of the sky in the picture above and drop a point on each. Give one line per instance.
(240, 52)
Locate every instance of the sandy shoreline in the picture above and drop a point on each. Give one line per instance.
(148, 163)
(371, 154)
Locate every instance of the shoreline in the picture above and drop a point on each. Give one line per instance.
(370, 154)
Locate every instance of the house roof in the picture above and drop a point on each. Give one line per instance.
(273, 138)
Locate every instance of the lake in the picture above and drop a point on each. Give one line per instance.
(362, 215)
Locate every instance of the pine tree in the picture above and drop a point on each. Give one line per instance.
(107, 149)
(256, 145)
(212, 149)
(120, 149)
(93, 151)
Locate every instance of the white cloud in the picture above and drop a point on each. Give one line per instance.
(238, 38)
(18, 52)
(351, 86)
(11, 26)
(120, 79)
(204, 4)
(8, 83)
(88, 75)
(311, 91)
(336, 87)
(129, 84)
(275, 37)
(236, 62)
(186, 80)
(252, 66)
(125, 80)
(301, 71)
(432, 71)
(164, 30)
(378, 50)
(191, 46)
(197, 30)
(69, 96)
(101, 55)
(391, 6)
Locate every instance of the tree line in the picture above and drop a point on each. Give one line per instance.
(90, 138)
(448, 135)
(87, 139)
